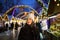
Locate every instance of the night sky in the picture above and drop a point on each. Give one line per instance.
(6, 4)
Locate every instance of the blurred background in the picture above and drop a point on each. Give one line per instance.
(16, 11)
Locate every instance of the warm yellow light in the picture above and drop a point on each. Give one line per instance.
(55, 0)
(58, 4)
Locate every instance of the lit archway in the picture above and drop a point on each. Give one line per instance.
(19, 6)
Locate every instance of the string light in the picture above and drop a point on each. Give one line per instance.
(58, 4)
(55, 0)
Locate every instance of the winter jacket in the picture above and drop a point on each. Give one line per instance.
(29, 32)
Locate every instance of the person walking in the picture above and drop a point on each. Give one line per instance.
(29, 31)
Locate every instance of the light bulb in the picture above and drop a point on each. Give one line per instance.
(55, 0)
(58, 4)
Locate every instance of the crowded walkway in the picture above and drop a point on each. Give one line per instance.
(30, 20)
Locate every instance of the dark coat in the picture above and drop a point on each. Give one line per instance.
(16, 26)
(29, 32)
(39, 27)
(12, 26)
(6, 27)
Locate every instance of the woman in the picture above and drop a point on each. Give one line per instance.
(29, 31)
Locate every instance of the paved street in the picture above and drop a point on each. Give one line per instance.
(10, 34)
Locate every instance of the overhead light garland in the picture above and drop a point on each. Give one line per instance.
(43, 6)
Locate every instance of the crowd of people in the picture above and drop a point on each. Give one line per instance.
(31, 30)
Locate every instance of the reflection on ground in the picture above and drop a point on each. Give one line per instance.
(10, 34)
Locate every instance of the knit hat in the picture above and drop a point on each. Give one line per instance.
(31, 16)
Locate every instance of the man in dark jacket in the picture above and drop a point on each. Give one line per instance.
(16, 26)
(12, 26)
(29, 31)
